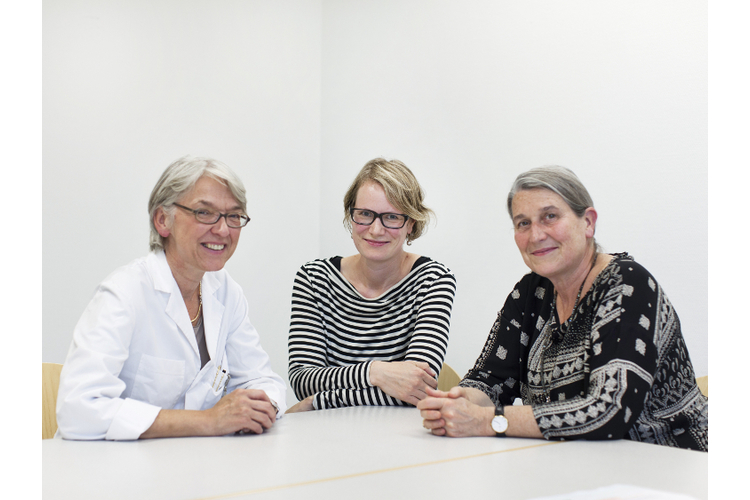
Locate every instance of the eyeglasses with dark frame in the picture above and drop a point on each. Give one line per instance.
(204, 216)
(365, 217)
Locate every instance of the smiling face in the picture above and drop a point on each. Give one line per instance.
(375, 242)
(554, 242)
(193, 248)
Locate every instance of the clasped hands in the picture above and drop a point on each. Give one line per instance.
(243, 411)
(453, 414)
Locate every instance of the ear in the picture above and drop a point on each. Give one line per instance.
(161, 220)
(590, 216)
(410, 225)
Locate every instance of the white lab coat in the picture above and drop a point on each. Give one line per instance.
(134, 352)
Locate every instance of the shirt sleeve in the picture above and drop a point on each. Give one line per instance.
(498, 370)
(342, 386)
(89, 402)
(250, 366)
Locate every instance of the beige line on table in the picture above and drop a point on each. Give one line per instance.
(369, 473)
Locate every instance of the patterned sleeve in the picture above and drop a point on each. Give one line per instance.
(497, 371)
(631, 314)
(342, 386)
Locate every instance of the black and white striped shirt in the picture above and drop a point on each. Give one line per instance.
(336, 333)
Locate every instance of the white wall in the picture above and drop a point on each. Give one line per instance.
(469, 94)
(297, 96)
(130, 87)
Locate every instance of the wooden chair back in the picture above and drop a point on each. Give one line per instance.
(448, 378)
(703, 385)
(50, 382)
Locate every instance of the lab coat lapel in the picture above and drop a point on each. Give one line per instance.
(164, 281)
(213, 312)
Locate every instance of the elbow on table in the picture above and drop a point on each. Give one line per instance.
(76, 425)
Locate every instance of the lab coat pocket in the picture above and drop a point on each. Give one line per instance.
(159, 381)
(207, 388)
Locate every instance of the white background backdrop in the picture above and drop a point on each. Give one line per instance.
(296, 96)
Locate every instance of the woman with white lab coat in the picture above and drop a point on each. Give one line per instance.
(165, 347)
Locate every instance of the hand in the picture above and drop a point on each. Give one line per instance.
(304, 405)
(453, 414)
(404, 380)
(243, 411)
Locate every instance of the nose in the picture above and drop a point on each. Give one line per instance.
(377, 226)
(537, 232)
(221, 228)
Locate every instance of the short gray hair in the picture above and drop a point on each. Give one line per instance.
(178, 179)
(560, 180)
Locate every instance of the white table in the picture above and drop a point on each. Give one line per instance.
(365, 452)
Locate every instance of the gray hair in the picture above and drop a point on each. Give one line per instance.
(560, 180)
(179, 178)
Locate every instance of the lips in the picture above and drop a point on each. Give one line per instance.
(214, 246)
(376, 243)
(543, 251)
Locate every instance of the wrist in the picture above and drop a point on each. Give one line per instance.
(374, 373)
(488, 413)
(500, 422)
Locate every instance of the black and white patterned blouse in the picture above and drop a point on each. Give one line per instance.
(336, 333)
(621, 372)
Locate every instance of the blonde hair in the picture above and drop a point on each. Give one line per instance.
(401, 190)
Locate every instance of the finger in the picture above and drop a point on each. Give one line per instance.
(251, 428)
(435, 393)
(433, 423)
(265, 408)
(257, 395)
(427, 369)
(456, 392)
(430, 414)
(430, 381)
(262, 419)
(424, 366)
(431, 403)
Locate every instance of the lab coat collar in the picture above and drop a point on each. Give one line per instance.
(213, 310)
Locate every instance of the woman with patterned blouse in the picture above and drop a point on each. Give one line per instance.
(372, 328)
(588, 341)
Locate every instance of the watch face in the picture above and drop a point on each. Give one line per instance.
(500, 424)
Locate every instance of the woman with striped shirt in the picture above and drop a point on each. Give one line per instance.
(372, 328)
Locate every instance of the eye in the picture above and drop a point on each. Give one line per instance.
(392, 217)
(365, 213)
(205, 216)
(550, 217)
(521, 225)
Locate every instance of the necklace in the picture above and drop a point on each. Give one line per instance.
(557, 336)
(200, 303)
(564, 327)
